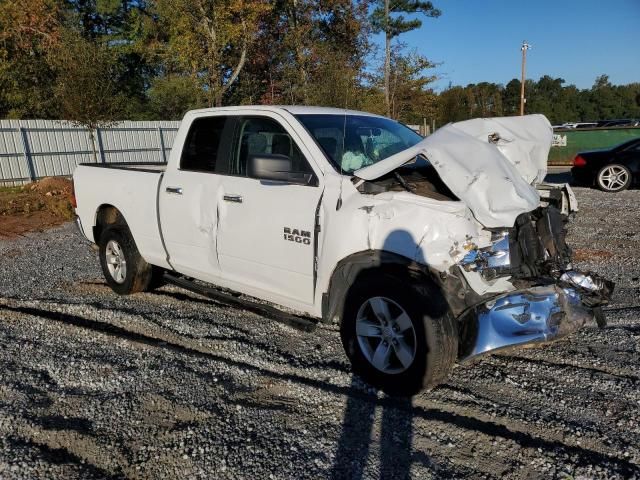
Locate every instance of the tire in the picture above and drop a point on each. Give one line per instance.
(124, 269)
(613, 178)
(434, 339)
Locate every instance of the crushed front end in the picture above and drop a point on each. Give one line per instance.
(550, 298)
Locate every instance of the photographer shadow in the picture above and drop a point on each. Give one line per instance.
(352, 460)
(361, 440)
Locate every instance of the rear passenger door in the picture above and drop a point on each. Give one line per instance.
(188, 198)
(266, 228)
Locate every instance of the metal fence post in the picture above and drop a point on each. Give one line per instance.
(100, 146)
(163, 155)
(27, 153)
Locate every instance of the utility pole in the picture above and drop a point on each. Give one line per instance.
(524, 48)
(387, 58)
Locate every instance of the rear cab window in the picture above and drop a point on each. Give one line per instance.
(202, 151)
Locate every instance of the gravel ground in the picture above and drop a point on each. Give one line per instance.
(167, 384)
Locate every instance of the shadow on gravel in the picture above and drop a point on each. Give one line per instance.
(395, 437)
(62, 456)
(559, 177)
(58, 422)
(359, 402)
(241, 335)
(566, 366)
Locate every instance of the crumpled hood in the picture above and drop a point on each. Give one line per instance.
(491, 164)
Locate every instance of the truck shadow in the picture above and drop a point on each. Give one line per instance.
(401, 412)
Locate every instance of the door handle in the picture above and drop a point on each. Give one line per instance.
(233, 198)
(176, 190)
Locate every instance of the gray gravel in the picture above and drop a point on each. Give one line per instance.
(167, 384)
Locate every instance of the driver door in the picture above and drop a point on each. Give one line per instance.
(266, 228)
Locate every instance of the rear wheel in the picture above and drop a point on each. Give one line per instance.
(400, 337)
(613, 178)
(124, 269)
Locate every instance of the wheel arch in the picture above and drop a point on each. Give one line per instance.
(107, 214)
(366, 262)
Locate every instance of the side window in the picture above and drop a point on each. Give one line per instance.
(264, 136)
(202, 145)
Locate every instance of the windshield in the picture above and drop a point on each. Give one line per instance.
(366, 140)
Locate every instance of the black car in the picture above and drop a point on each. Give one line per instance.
(611, 170)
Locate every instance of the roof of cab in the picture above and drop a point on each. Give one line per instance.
(293, 109)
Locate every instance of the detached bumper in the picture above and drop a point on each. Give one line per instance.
(534, 315)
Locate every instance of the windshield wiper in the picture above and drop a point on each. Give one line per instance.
(402, 182)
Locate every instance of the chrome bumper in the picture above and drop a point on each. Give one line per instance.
(534, 315)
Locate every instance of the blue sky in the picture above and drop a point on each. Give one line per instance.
(479, 40)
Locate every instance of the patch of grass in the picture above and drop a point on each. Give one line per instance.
(10, 189)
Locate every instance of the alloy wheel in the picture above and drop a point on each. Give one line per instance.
(386, 335)
(613, 178)
(116, 262)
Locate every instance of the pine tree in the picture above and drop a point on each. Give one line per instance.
(387, 17)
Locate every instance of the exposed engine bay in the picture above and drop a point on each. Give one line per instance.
(420, 178)
(534, 252)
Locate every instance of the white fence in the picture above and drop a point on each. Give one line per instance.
(32, 149)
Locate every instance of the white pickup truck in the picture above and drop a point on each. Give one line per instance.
(424, 251)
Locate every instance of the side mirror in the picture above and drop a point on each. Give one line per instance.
(275, 167)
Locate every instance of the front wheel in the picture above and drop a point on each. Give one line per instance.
(399, 336)
(613, 178)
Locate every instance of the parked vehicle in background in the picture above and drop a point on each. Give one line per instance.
(424, 251)
(578, 125)
(624, 122)
(612, 170)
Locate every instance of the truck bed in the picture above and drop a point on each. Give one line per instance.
(132, 188)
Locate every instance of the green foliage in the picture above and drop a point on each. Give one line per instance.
(387, 18)
(170, 97)
(86, 87)
(29, 30)
(548, 96)
(96, 61)
(395, 23)
(411, 97)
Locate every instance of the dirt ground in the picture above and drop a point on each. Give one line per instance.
(171, 385)
(35, 207)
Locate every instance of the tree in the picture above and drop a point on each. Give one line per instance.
(86, 85)
(171, 97)
(411, 98)
(29, 30)
(386, 17)
(210, 40)
(452, 105)
(511, 97)
(311, 52)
